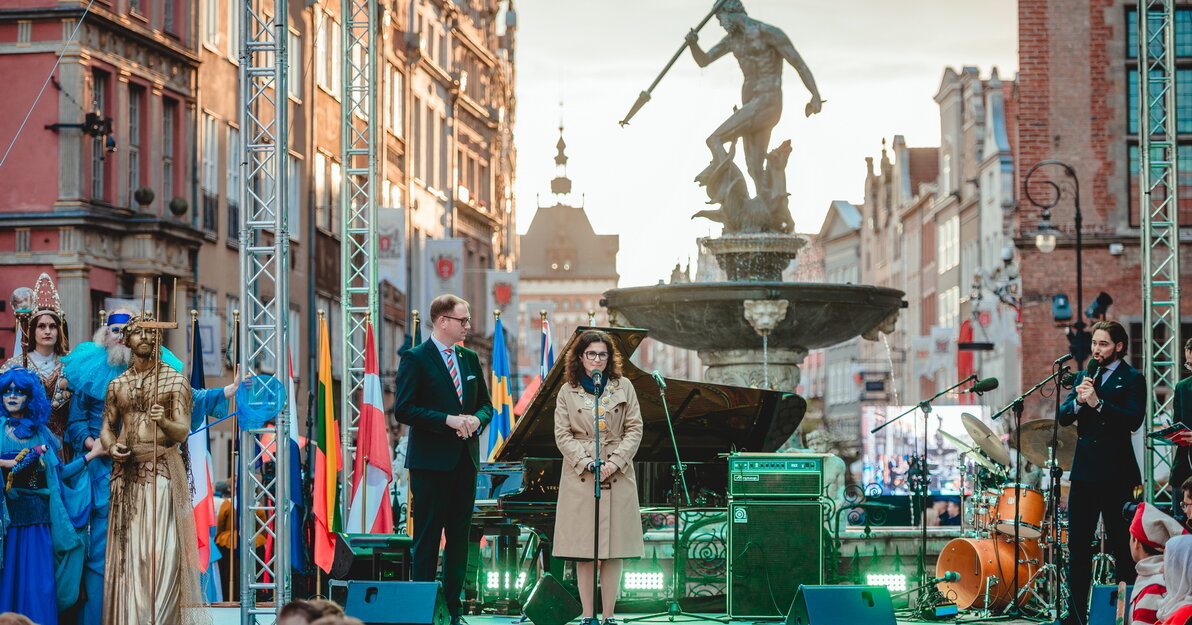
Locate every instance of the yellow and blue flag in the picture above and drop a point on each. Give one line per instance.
(502, 399)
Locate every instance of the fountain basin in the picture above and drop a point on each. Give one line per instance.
(711, 315)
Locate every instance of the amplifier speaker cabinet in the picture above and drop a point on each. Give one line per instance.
(773, 548)
(775, 476)
(397, 603)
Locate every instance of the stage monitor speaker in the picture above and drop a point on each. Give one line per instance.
(1103, 604)
(397, 603)
(773, 548)
(841, 605)
(550, 604)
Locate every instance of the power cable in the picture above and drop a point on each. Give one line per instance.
(36, 99)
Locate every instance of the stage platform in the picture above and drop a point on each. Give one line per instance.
(231, 616)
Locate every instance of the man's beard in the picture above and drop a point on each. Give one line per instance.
(118, 355)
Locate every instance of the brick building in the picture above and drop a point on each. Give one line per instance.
(1076, 102)
(166, 75)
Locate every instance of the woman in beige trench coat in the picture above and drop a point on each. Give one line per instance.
(620, 434)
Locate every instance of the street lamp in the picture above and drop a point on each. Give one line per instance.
(1045, 240)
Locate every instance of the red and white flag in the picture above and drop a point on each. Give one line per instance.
(371, 512)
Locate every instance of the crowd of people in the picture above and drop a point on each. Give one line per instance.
(69, 465)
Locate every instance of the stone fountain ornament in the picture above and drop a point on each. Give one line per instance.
(753, 330)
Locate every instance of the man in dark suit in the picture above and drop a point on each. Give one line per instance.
(1181, 469)
(442, 396)
(1107, 405)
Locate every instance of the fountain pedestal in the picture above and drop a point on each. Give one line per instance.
(752, 368)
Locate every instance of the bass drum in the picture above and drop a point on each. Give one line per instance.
(978, 560)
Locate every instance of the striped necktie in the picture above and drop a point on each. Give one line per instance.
(454, 371)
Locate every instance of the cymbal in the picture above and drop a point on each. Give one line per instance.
(972, 452)
(985, 439)
(1036, 435)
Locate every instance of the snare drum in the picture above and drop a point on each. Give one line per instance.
(1028, 517)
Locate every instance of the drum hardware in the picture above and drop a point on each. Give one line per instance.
(920, 485)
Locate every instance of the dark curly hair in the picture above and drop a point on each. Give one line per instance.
(29, 339)
(575, 368)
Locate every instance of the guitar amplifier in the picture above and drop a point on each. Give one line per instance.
(775, 476)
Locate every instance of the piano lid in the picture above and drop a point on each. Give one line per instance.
(709, 419)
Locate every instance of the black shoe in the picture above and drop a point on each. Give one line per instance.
(458, 620)
(587, 620)
(609, 621)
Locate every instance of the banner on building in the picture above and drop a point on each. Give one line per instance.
(501, 289)
(391, 246)
(943, 349)
(444, 270)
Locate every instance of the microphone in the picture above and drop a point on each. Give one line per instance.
(983, 386)
(658, 379)
(949, 576)
(1094, 369)
(597, 379)
(1062, 359)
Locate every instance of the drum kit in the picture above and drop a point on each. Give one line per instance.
(1010, 551)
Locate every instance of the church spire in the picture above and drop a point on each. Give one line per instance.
(561, 185)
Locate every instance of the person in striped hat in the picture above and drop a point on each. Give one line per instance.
(1149, 532)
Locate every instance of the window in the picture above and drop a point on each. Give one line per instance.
(168, 22)
(1183, 90)
(210, 178)
(948, 308)
(322, 193)
(136, 97)
(169, 115)
(336, 188)
(211, 23)
(948, 240)
(294, 218)
(233, 199)
(327, 66)
(294, 71)
(99, 97)
(416, 151)
(394, 109)
(358, 71)
(134, 6)
(235, 11)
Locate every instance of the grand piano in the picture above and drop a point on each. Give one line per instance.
(521, 487)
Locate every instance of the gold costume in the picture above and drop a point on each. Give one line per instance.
(152, 551)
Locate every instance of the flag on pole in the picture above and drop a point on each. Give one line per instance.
(203, 497)
(371, 511)
(328, 463)
(548, 350)
(297, 542)
(502, 399)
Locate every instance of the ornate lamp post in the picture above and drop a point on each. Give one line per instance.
(1045, 240)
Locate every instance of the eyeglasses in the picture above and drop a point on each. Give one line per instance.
(596, 355)
(1185, 505)
(463, 321)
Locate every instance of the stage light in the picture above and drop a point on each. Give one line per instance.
(496, 580)
(896, 582)
(643, 580)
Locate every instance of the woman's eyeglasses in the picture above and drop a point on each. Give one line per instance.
(596, 355)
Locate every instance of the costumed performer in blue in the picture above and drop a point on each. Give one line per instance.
(37, 507)
(90, 367)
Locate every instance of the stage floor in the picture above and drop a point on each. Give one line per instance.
(231, 616)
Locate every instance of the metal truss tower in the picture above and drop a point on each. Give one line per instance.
(1159, 207)
(358, 282)
(265, 294)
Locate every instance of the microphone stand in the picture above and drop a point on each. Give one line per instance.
(1017, 406)
(597, 414)
(681, 497)
(920, 486)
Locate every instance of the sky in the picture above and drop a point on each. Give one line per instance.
(877, 63)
